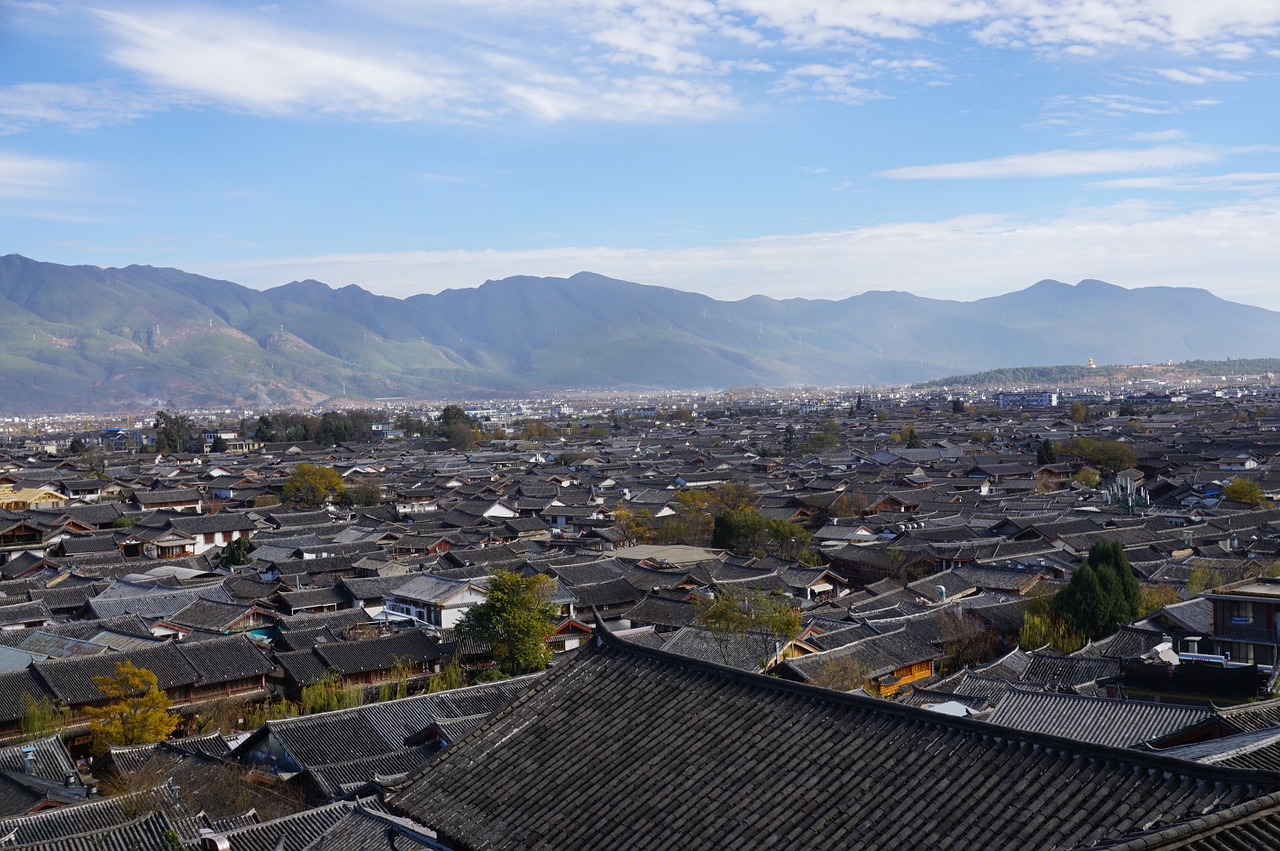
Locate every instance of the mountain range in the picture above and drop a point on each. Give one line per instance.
(84, 338)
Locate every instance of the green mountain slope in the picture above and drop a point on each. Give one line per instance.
(85, 338)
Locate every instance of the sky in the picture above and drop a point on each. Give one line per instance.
(815, 148)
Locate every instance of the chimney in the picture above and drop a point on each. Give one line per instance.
(210, 841)
(28, 760)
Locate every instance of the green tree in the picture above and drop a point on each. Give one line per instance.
(1087, 476)
(366, 492)
(1241, 489)
(451, 676)
(43, 717)
(218, 444)
(460, 436)
(137, 714)
(636, 526)
(739, 530)
(335, 427)
(77, 446)
(1203, 578)
(1043, 627)
(824, 438)
(173, 432)
(452, 414)
(1046, 453)
(1102, 594)
(1109, 456)
(730, 614)
(236, 553)
(515, 619)
(329, 693)
(312, 485)
(911, 437)
(957, 406)
(265, 429)
(1157, 596)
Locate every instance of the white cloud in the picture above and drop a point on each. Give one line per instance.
(620, 60)
(1160, 136)
(80, 107)
(1062, 163)
(1232, 249)
(1255, 182)
(39, 178)
(1199, 75)
(262, 68)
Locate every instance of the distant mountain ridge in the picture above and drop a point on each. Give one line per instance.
(87, 338)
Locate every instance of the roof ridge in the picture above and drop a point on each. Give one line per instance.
(1156, 762)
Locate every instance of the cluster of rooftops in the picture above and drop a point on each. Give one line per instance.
(904, 712)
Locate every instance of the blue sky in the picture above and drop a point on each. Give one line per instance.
(788, 147)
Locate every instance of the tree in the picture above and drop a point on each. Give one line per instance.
(312, 485)
(1203, 578)
(77, 446)
(365, 492)
(1088, 477)
(1079, 412)
(1102, 594)
(730, 614)
(334, 428)
(138, 712)
(218, 444)
(911, 437)
(957, 406)
(1046, 453)
(265, 429)
(236, 553)
(841, 673)
(738, 530)
(460, 436)
(965, 639)
(1241, 489)
(636, 526)
(827, 436)
(1109, 456)
(1155, 597)
(43, 717)
(1043, 627)
(515, 619)
(173, 432)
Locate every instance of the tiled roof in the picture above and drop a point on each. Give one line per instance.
(378, 654)
(1097, 720)
(626, 747)
(1250, 826)
(152, 830)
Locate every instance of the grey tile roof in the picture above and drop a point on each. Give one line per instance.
(1097, 720)
(1250, 826)
(149, 831)
(652, 750)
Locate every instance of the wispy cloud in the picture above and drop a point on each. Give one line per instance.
(36, 178)
(1255, 182)
(78, 106)
(1234, 248)
(1063, 163)
(598, 60)
(1200, 75)
(263, 68)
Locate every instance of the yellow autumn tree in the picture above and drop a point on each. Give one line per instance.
(137, 714)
